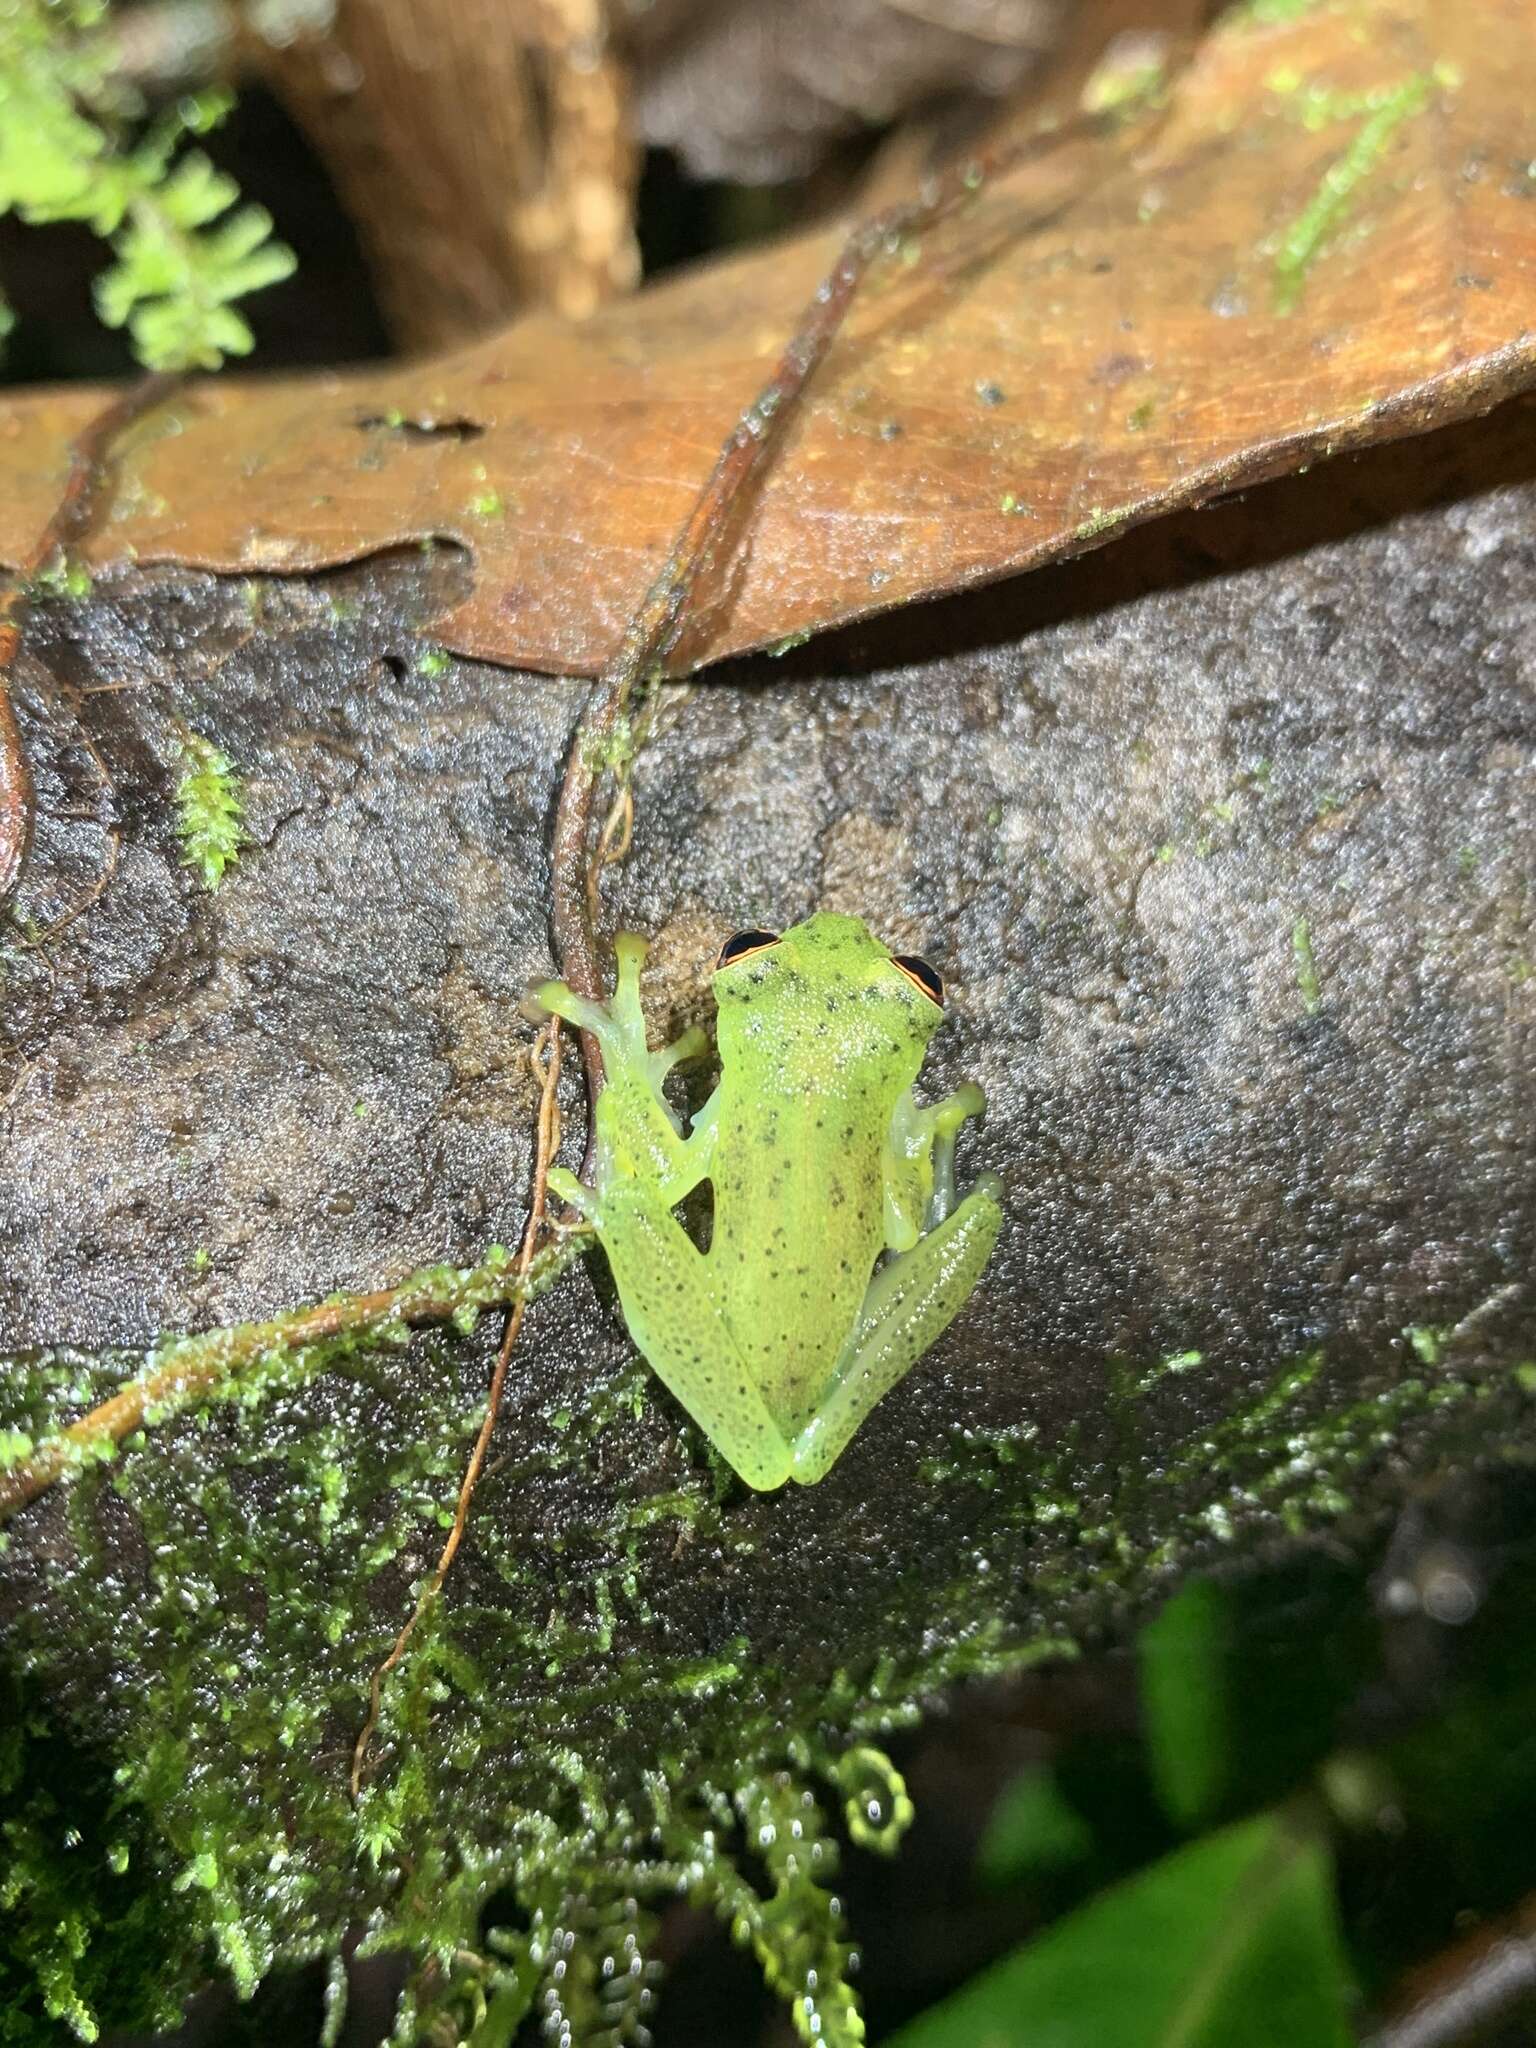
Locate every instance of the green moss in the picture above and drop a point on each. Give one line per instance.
(208, 807)
(1307, 983)
(1125, 84)
(15, 1448)
(875, 1801)
(1315, 226)
(1130, 1381)
(62, 579)
(225, 1691)
(1099, 520)
(1290, 1445)
(564, 1733)
(1267, 13)
(87, 1941)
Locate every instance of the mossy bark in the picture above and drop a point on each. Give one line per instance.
(1224, 840)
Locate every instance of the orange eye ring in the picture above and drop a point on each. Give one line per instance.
(742, 945)
(921, 976)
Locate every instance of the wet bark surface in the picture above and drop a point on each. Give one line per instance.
(1102, 801)
(1224, 840)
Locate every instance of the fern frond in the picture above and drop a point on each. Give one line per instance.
(184, 250)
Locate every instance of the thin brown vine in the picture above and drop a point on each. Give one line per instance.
(544, 1153)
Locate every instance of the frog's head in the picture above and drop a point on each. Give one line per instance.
(829, 977)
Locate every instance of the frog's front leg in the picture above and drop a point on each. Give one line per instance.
(911, 1302)
(919, 1163)
(944, 1121)
(637, 1129)
(664, 1291)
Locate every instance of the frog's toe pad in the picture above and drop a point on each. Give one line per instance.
(563, 1182)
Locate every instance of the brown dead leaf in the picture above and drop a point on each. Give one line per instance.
(1329, 238)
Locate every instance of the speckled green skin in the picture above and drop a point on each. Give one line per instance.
(780, 1338)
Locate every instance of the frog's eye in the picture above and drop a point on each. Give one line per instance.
(740, 944)
(921, 975)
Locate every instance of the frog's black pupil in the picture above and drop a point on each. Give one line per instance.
(928, 979)
(744, 942)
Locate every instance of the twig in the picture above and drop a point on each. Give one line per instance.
(548, 1145)
(185, 1369)
(658, 625)
(1488, 1977)
(72, 519)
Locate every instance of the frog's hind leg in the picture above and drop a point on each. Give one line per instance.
(911, 1302)
(664, 1289)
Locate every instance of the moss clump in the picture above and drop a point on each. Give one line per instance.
(585, 1726)
(235, 1669)
(208, 808)
(86, 1939)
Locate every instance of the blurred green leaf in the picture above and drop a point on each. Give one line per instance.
(1034, 1829)
(1232, 1940)
(1243, 1686)
(1186, 1697)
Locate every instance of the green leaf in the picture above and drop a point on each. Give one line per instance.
(1231, 1942)
(1234, 1717)
(1034, 1829)
(1186, 1699)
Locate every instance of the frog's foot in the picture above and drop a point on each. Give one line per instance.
(948, 1115)
(670, 1311)
(619, 1026)
(920, 1164)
